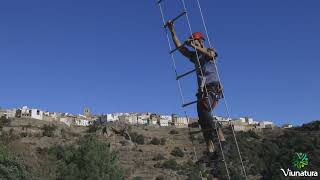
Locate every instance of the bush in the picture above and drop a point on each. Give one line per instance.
(177, 152)
(155, 141)
(170, 164)
(137, 138)
(313, 126)
(253, 134)
(9, 136)
(48, 130)
(10, 166)
(23, 134)
(173, 131)
(92, 128)
(158, 157)
(163, 141)
(5, 121)
(89, 158)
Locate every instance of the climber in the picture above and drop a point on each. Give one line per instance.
(209, 88)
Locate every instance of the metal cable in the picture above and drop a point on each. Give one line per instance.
(225, 99)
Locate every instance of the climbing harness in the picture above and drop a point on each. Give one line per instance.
(205, 90)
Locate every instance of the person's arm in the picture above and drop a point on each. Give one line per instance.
(210, 53)
(183, 50)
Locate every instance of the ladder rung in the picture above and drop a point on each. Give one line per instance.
(182, 75)
(187, 104)
(176, 18)
(172, 51)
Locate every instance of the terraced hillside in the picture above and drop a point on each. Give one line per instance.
(32, 149)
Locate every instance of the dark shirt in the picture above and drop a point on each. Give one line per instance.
(208, 69)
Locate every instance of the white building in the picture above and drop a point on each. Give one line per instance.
(37, 114)
(129, 119)
(266, 124)
(239, 127)
(164, 122)
(143, 118)
(287, 126)
(8, 113)
(82, 122)
(142, 121)
(51, 115)
(114, 116)
(25, 112)
(181, 122)
(166, 117)
(132, 119)
(250, 121)
(110, 117)
(153, 121)
(240, 121)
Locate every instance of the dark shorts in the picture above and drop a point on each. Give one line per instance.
(206, 103)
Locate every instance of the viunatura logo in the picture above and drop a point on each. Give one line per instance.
(300, 160)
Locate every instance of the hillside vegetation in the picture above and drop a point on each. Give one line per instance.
(31, 149)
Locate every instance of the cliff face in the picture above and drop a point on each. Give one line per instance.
(160, 153)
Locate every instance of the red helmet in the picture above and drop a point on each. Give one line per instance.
(197, 35)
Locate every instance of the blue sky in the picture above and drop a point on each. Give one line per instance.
(112, 56)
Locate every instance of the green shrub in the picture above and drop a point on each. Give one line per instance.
(137, 178)
(11, 167)
(5, 121)
(137, 138)
(163, 141)
(48, 130)
(92, 128)
(173, 131)
(129, 128)
(253, 134)
(89, 158)
(170, 164)
(177, 152)
(24, 134)
(155, 141)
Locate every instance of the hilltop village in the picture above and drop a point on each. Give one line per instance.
(147, 119)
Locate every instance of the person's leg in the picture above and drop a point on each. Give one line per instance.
(206, 122)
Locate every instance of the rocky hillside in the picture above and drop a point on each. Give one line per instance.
(32, 149)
